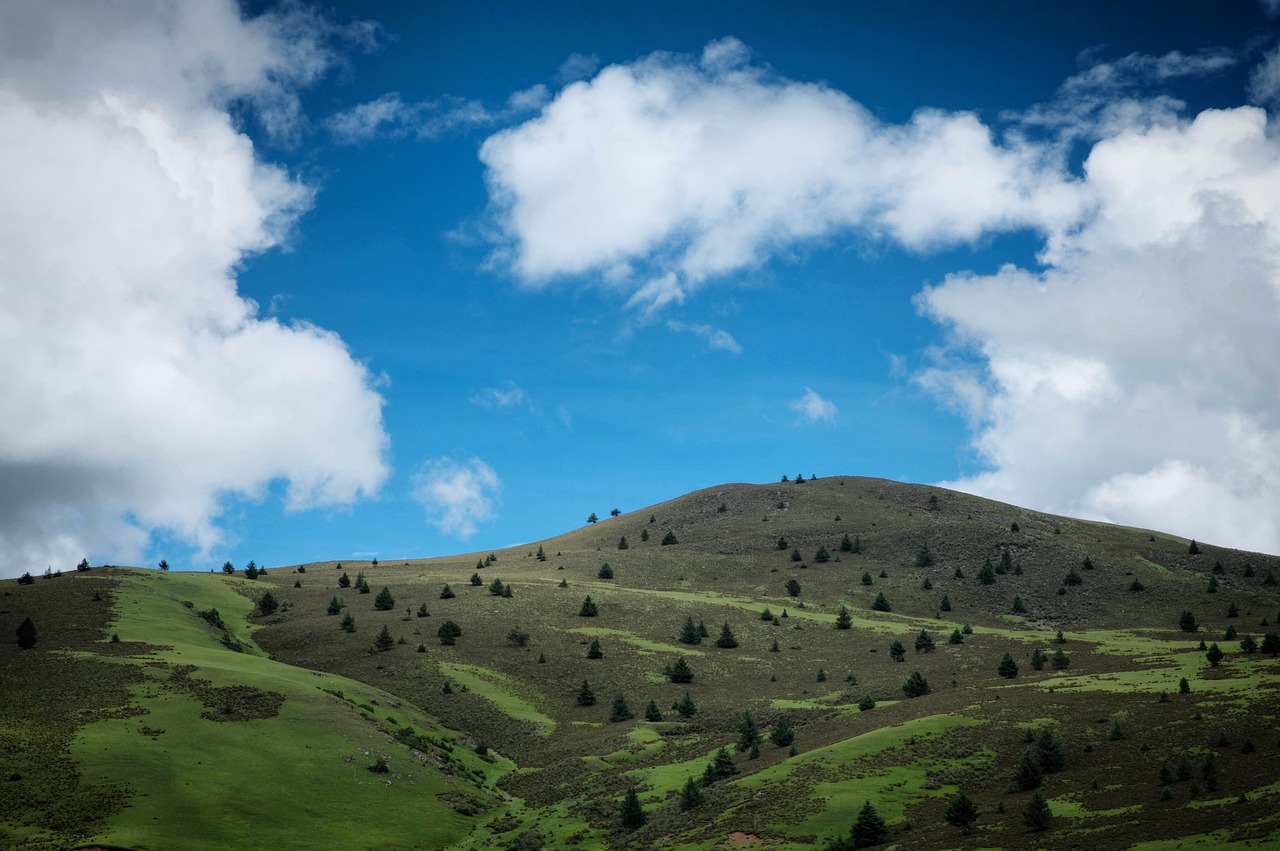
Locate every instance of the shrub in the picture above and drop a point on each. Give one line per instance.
(822, 556)
(945, 605)
(961, 812)
(1036, 815)
(924, 558)
(685, 707)
(782, 734)
(796, 556)
(449, 632)
(335, 605)
(446, 593)
(652, 712)
(348, 623)
(1007, 668)
(622, 543)
(896, 650)
(669, 539)
(605, 571)
(26, 634)
(924, 641)
(793, 588)
(267, 603)
(916, 685)
(846, 545)
(867, 703)
(620, 711)
(475, 580)
(422, 611)
(344, 581)
(1187, 621)
(26, 579)
(632, 813)
(495, 588)
(691, 796)
(518, 637)
(689, 634)
(956, 637)
(384, 602)
(866, 578)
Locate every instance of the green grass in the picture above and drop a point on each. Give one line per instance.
(499, 690)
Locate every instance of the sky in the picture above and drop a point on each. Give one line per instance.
(303, 281)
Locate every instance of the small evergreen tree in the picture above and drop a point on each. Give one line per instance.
(620, 711)
(702, 627)
(961, 812)
(1049, 752)
(495, 588)
(594, 651)
(1187, 621)
(1194, 549)
(164, 565)
(1036, 815)
(1007, 668)
(679, 671)
(348, 623)
(644, 534)
(633, 816)
(588, 609)
(720, 767)
(586, 697)
(446, 593)
(866, 578)
(449, 633)
(945, 605)
(869, 829)
(518, 637)
(605, 571)
(782, 543)
(475, 580)
(541, 554)
(916, 685)
(896, 650)
(846, 545)
(1018, 608)
(987, 575)
(622, 543)
(1029, 774)
(821, 556)
(924, 558)
(1214, 655)
(669, 539)
(1270, 644)
(766, 615)
(1061, 661)
(591, 518)
(335, 605)
(956, 637)
(796, 556)
(793, 588)
(422, 611)
(844, 620)
(26, 634)
(1038, 659)
(685, 707)
(267, 603)
(384, 601)
(857, 545)
(881, 603)
(691, 796)
(652, 712)
(782, 734)
(867, 703)
(689, 633)
(748, 733)
(384, 641)
(26, 579)
(344, 581)
(924, 641)
(726, 639)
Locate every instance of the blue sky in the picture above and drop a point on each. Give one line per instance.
(309, 281)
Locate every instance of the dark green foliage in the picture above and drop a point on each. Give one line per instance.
(924, 558)
(540, 555)
(632, 813)
(822, 556)
(987, 575)
(605, 571)
(796, 556)
(679, 671)
(1061, 660)
(685, 707)
(1230, 634)
(588, 609)
(669, 539)
(251, 570)
(782, 734)
(644, 534)
(1214, 654)
(1007, 668)
(1212, 587)
(652, 712)
(1018, 608)
(961, 812)
(945, 605)
(344, 581)
(586, 697)
(702, 627)
(689, 634)
(822, 675)
(846, 545)
(1233, 611)
(1184, 687)
(927, 585)
(591, 518)
(384, 601)
(449, 632)
(622, 543)
(866, 578)
(620, 711)
(422, 611)
(335, 605)
(1270, 644)
(1036, 815)
(1087, 564)
(506, 591)
(957, 637)
(924, 641)
(766, 615)
(691, 796)
(446, 593)
(1136, 586)
(594, 651)
(1029, 774)
(959, 574)
(267, 603)
(518, 637)
(1184, 769)
(615, 512)
(495, 588)
(1006, 561)
(26, 634)
(1116, 733)
(1049, 752)
(868, 830)
(884, 574)
(748, 733)
(793, 588)
(881, 603)
(782, 543)
(1038, 658)
(1073, 577)
(1187, 621)
(844, 620)
(475, 580)
(933, 502)
(774, 648)
(384, 641)
(1194, 549)
(896, 650)
(857, 545)
(726, 639)
(916, 685)
(720, 767)
(1060, 638)
(228, 568)
(867, 703)
(26, 579)
(348, 623)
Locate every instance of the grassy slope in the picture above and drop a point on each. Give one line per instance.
(906, 756)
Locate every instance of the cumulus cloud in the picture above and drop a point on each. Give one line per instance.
(1134, 379)
(140, 388)
(1264, 83)
(457, 495)
(660, 174)
(814, 408)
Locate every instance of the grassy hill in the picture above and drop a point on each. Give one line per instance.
(262, 732)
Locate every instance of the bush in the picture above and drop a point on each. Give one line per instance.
(446, 593)
(782, 734)
(916, 685)
(796, 556)
(622, 543)
(449, 632)
(26, 634)
(1036, 815)
(1187, 621)
(344, 581)
(685, 707)
(652, 712)
(518, 637)
(632, 813)
(335, 605)
(669, 539)
(689, 634)
(924, 641)
(691, 796)
(822, 556)
(961, 812)
(267, 603)
(26, 579)
(422, 611)
(495, 588)
(924, 558)
(793, 588)
(867, 703)
(620, 711)
(605, 571)
(475, 580)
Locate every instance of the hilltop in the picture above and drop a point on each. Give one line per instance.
(262, 727)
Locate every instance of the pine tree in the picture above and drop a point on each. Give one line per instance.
(449, 633)
(896, 650)
(384, 601)
(1194, 549)
(594, 651)
(384, 641)
(846, 545)
(1214, 655)
(344, 581)
(782, 543)
(796, 556)
(1029, 774)
(916, 685)
(679, 671)
(446, 593)
(1008, 668)
(586, 697)
(540, 555)
(26, 634)
(1049, 752)
(620, 710)
(335, 605)
(669, 539)
(821, 556)
(1061, 660)
(720, 767)
(267, 603)
(652, 712)
(866, 578)
(766, 615)
(726, 639)
(987, 575)
(881, 603)
(702, 627)
(945, 605)
(1038, 658)
(793, 588)
(867, 703)
(622, 543)
(605, 571)
(691, 796)
(956, 637)
(1036, 815)
(689, 634)
(844, 620)
(633, 816)
(748, 733)
(475, 580)
(588, 609)
(961, 812)
(685, 707)
(348, 623)
(924, 558)
(782, 734)
(1187, 621)
(495, 588)
(422, 611)
(924, 641)
(869, 829)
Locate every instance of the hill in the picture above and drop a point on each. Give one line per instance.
(263, 730)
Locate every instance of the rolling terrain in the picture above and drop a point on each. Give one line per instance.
(176, 710)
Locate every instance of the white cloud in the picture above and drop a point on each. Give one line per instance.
(716, 338)
(578, 66)
(507, 396)
(1134, 379)
(659, 174)
(141, 389)
(391, 117)
(814, 408)
(1264, 82)
(457, 496)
